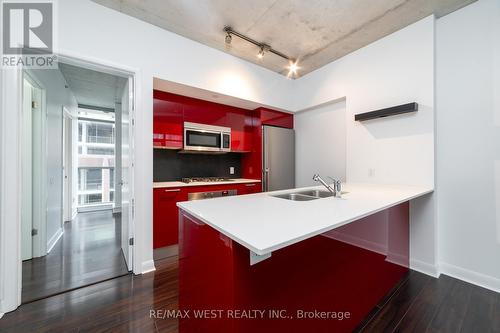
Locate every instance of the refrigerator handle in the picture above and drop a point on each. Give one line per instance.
(266, 179)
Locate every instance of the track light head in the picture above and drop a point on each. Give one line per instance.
(262, 50)
(293, 68)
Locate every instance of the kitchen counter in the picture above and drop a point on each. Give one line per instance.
(263, 223)
(182, 184)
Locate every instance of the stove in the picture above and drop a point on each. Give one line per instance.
(205, 179)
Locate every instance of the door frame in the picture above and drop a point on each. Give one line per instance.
(10, 173)
(39, 247)
(67, 153)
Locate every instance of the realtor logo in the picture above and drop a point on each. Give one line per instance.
(28, 33)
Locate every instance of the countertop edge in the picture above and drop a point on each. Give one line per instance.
(181, 184)
(306, 236)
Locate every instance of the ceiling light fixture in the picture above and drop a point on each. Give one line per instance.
(262, 51)
(228, 38)
(260, 55)
(292, 68)
(263, 48)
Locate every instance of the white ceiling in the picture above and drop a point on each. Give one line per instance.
(93, 88)
(314, 31)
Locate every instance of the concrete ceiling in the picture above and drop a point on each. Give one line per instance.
(93, 88)
(315, 32)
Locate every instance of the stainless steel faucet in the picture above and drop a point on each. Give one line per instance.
(336, 190)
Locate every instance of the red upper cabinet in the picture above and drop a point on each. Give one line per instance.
(275, 118)
(204, 112)
(167, 121)
(240, 122)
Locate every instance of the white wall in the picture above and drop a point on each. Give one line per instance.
(57, 95)
(468, 142)
(399, 150)
(320, 143)
(94, 32)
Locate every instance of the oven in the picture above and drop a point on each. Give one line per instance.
(201, 137)
(209, 195)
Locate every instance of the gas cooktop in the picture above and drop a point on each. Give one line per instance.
(205, 179)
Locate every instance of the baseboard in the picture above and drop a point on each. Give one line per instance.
(1, 315)
(424, 267)
(53, 240)
(148, 266)
(482, 280)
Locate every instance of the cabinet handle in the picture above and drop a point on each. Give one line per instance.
(250, 185)
(174, 190)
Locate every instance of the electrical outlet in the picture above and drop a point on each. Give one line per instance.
(231, 170)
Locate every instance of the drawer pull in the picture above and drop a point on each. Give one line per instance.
(250, 185)
(174, 190)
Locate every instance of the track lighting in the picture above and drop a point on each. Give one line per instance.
(260, 55)
(263, 48)
(228, 39)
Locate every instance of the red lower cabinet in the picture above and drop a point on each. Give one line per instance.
(165, 215)
(327, 283)
(165, 211)
(249, 188)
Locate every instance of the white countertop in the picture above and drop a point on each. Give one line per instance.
(181, 184)
(263, 223)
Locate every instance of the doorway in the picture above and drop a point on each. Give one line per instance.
(70, 156)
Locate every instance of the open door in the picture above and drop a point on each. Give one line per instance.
(127, 210)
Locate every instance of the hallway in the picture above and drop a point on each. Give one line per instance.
(88, 252)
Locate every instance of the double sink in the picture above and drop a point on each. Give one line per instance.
(306, 195)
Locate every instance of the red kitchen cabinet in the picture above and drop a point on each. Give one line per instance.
(250, 188)
(240, 122)
(165, 215)
(167, 121)
(204, 112)
(165, 211)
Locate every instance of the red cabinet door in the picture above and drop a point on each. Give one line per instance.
(249, 188)
(240, 122)
(167, 121)
(203, 112)
(165, 216)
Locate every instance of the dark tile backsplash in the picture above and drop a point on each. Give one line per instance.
(170, 165)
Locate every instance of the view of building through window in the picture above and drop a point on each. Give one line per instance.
(96, 158)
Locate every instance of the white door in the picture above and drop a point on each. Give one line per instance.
(127, 172)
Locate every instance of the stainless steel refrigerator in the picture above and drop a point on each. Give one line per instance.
(278, 158)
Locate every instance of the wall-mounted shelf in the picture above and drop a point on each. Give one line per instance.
(392, 111)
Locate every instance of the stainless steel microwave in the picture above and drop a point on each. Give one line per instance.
(201, 137)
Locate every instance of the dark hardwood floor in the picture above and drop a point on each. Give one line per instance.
(88, 252)
(419, 304)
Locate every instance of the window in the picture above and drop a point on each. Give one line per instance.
(86, 199)
(96, 154)
(100, 132)
(100, 151)
(95, 185)
(90, 179)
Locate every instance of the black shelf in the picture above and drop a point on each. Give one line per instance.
(392, 111)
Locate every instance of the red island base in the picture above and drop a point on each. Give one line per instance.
(328, 283)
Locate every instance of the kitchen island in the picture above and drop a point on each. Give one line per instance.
(270, 264)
